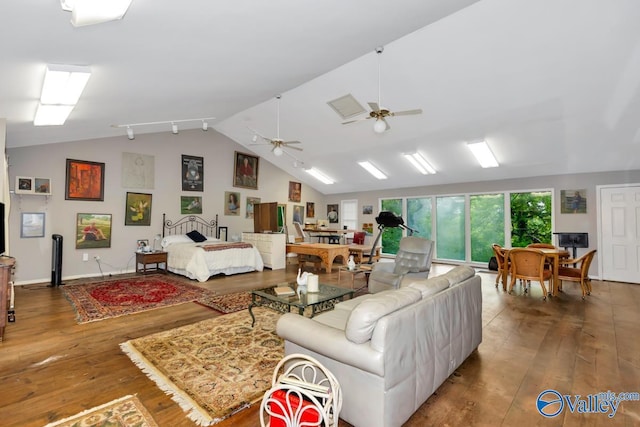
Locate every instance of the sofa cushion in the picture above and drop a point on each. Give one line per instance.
(431, 286)
(333, 318)
(363, 318)
(350, 304)
(459, 274)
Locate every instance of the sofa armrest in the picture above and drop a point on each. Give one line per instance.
(329, 342)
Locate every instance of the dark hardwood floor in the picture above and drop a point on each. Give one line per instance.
(52, 368)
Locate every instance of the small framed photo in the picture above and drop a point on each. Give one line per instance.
(245, 170)
(93, 231)
(32, 224)
(311, 210)
(295, 191)
(42, 186)
(84, 180)
(138, 209)
(143, 245)
(222, 233)
(231, 203)
(192, 173)
(24, 185)
(573, 201)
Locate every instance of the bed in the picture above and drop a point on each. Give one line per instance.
(202, 259)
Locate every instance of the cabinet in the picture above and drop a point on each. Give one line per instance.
(272, 248)
(6, 267)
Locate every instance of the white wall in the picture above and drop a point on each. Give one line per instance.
(33, 255)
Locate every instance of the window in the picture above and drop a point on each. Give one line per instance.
(486, 214)
(419, 216)
(391, 236)
(530, 218)
(349, 209)
(450, 227)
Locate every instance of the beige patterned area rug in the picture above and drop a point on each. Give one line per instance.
(124, 412)
(213, 368)
(228, 303)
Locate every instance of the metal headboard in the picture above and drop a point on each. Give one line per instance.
(189, 223)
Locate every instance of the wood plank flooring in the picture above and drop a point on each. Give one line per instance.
(52, 368)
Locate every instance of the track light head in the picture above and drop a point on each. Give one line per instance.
(130, 134)
(205, 125)
(174, 128)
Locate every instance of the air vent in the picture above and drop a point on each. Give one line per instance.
(346, 106)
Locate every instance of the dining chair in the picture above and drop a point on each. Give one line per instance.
(358, 237)
(579, 273)
(503, 263)
(528, 264)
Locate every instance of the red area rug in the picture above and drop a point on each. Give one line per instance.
(95, 301)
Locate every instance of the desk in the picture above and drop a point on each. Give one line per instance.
(322, 233)
(326, 252)
(553, 255)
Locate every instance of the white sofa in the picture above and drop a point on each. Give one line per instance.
(391, 350)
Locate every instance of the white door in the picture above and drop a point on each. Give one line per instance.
(620, 226)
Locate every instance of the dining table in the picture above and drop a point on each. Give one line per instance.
(553, 255)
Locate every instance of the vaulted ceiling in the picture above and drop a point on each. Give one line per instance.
(553, 87)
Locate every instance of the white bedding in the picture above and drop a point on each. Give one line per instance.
(189, 259)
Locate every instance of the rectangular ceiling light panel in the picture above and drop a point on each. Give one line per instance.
(373, 170)
(483, 154)
(420, 163)
(63, 84)
(52, 115)
(319, 176)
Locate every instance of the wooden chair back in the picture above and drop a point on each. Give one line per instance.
(580, 273)
(528, 264)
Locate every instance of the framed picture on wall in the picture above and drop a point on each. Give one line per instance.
(298, 214)
(93, 230)
(295, 191)
(231, 203)
(311, 210)
(138, 209)
(573, 201)
(42, 186)
(190, 205)
(84, 180)
(192, 173)
(24, 185)
(250, 202)
(31, 224)
(245, 170)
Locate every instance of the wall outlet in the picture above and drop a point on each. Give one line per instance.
(85, 257)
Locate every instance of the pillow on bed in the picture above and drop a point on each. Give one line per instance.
(196, 236)
(176, 238)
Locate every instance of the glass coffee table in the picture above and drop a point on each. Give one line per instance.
(325, 299)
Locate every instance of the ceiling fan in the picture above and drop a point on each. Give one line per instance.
(277, 143)
(380, 113)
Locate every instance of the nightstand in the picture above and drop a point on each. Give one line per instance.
(146, 258)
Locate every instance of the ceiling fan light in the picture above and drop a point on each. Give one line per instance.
(380, 126)
(277, 151)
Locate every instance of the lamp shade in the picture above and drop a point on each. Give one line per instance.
(380, 126)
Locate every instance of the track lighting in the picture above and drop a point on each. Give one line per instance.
(174, 125)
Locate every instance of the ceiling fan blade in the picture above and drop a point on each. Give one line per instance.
(291, 142)
(356, 120)
(374, 106)
(407, 112)
(295, 148)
